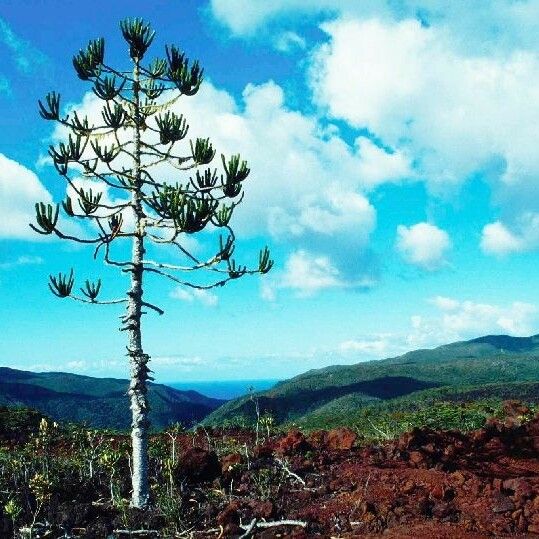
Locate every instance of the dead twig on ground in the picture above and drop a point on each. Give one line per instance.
(251, 527)
(285, 467)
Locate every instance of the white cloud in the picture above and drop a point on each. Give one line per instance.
(378, 166)
(376, 346)
(299, 170)
(21, 261)
(452, 320)
(245, 16)
(498, 240)
(410, 86)
(423, 245)
(444, 303)
(429, 79)
(457, 320)
(307, 273)
(20, 189)
(250, 18)
(289, 41)
(178, 361)
(492, 25)
(327, 213)
(207, 298)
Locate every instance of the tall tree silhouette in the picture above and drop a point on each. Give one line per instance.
(128, 151)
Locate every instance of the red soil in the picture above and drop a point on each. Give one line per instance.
(426, 484)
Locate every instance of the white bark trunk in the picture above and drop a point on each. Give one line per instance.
(138, 359)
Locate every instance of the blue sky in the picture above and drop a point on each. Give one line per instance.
(394, 175)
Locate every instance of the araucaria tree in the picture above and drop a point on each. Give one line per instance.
(151, 191)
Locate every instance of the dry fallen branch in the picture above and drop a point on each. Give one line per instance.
(289, 471)
(250, 528)
(140, 533)
(281, 523)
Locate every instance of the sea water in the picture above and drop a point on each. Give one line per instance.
(224, 389)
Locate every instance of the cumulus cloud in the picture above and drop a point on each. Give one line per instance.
(306, 273)
(379, 166)
(444, 303)
(492, 25)
(498, 240)
(429, 79)
(326, 213)
(423, 245)
(409, 85)
(457, 320)
(207, 298)
(451, 320)
(300, 171)
(20, 189)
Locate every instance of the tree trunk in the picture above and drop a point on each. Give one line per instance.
(138, 359)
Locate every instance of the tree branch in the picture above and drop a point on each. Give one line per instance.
(73, 238)
(202, 265)
(98, 302)
(187, 283)
(153, 307)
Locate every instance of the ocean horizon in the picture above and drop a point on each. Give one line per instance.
(224, 389)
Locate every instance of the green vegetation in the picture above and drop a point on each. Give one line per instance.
(98, 402)
(57, 466)
(490, 368)
(439, 409)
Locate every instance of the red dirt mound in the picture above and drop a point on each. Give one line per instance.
(426, 484)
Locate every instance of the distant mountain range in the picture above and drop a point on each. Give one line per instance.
(490, 367)
(98, 402)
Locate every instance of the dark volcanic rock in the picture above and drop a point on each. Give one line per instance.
(197, 465)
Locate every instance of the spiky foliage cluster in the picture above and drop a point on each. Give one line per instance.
(181, 191)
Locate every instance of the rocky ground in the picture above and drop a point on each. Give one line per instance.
(425, 484)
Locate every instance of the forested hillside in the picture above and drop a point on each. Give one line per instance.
(99, 402)
(491, 367)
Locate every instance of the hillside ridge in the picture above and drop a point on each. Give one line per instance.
(477, 366)
(98, 402)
